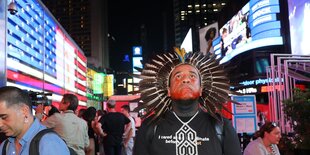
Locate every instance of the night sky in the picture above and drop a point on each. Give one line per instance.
(125, 21)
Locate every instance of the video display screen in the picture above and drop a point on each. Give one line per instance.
(299, 17)
(40, 55)
(255, 25)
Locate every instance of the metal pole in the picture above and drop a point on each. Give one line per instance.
(43, 50)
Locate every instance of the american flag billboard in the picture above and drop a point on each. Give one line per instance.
(41, 56)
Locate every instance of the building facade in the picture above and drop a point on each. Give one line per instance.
(86, 22)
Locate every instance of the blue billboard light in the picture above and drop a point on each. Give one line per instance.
(137, 50)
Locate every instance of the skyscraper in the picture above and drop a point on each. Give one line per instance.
(86, 22)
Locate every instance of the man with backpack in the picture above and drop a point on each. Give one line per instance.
(18, 123)
(180, 93)
(68, 125)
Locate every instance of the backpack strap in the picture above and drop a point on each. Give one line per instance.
(5, 147)
(34, 144)
(219, 127)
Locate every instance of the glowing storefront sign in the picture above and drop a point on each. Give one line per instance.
(258, 82)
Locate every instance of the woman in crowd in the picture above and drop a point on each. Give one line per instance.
(266, 141)
(89, 116)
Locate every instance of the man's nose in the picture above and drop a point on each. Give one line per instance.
(186, 79)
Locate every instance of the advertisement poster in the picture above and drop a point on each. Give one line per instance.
(206, 37)
(245, 124)
(244, 114)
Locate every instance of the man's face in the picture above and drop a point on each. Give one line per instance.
(184, 83)
(123, 111)
(11, 120)
(63, 106)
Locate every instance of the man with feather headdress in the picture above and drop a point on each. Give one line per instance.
(181, 94)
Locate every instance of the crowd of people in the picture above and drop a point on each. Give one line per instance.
(182, 117)
(88, 132)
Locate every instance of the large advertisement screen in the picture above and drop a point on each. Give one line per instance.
(255, 25)
(206, 36)
(41, 56)
(299, 17)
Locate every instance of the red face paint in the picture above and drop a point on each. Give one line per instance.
(184, 83)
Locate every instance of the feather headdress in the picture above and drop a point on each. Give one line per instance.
(155, 77)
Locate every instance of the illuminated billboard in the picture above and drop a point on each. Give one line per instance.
(299, 13)
(255, 25)
(206, 36)
(108, 85)
(95, 81)
(41, 56)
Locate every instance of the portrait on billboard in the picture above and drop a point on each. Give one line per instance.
(206, 37)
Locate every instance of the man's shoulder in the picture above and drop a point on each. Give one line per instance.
(73, 118)
(112, 115)
(81, 120)
(50, 139)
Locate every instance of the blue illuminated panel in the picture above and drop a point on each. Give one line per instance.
(26, 31)
(256, 25)
(41, 56)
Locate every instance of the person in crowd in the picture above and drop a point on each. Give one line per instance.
(81, 113)
(89, 116)
(18, 123)
(224, 48)
(100, 113)
(99, 144)
(130, 132)
(266, 140)
(69, 126)
(111, 127)
(261, 118)
(176, 91)
(40, 111)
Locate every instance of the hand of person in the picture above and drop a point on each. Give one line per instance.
(39, 109)
(125, 145)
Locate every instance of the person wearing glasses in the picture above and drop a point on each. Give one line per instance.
(266, 140)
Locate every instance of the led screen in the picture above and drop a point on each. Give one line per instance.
(136, 62)
(255, 25)
(299, 17)
(40, 55)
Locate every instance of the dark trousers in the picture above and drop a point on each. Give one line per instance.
(113, 150)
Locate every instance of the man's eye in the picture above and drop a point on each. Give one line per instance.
(178, 76)
(3, 117)
(192, 76)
